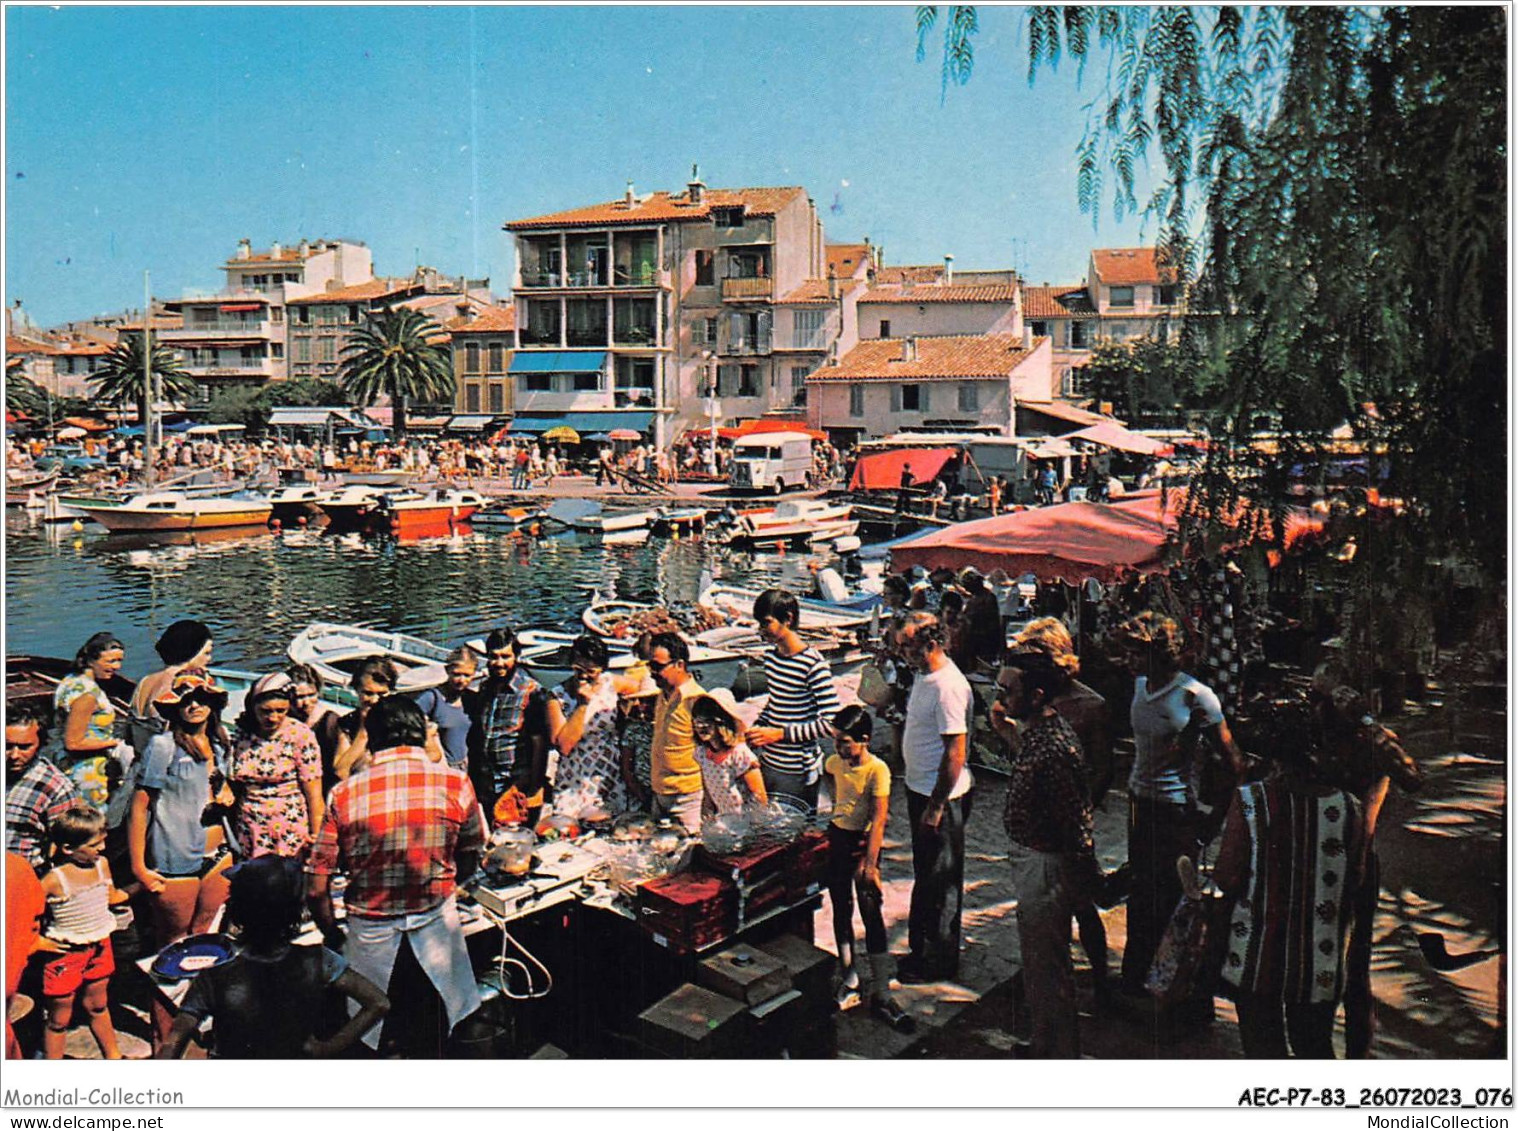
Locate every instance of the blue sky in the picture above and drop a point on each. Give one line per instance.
(156, 137)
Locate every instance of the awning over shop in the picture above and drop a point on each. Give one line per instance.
(582, 422)
(470, 422)
(240, 307)
(558, 361)
(317, 417)
(1115, 436)
(882, 471)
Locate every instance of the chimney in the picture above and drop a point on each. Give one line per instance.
(1027, 337)
(1105, 408)
(629, 199)
(909, 349)
(275, 249)
(948, 270)
(304, 249)
(245, 248)
(696, 189)
(832, 282)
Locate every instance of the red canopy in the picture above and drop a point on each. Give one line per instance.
(1072, 541)
(882, 471)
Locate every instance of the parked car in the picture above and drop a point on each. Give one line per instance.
(69, 458)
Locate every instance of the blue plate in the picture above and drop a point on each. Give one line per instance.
(189, 956)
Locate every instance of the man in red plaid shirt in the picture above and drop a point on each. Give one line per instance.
(404, 830)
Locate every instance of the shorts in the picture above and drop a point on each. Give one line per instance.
(65, 973)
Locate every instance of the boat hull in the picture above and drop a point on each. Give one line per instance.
(115, 518)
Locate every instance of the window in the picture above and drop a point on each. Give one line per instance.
(1080, 335)
(711, 331)
(472, 357)
(326, 349)
(633, 321)
(706, 267)
(538, 382)
(587, 382)
(748, 265)
(1120, 296)
(1164, 295)
(969, 397)
(727, 380)
(276, 314)
(352, 314)
(913, 398)
(302, 349)
(798, 385)
(542, 328)
(1039, 329)
(748, 381)
(303, 316)
(807, 331)
(885, 328)
(496, 354)
(497, 397)
(856, 400)
(326, 316)
(471, 398)
(586, 323)
(728, 217)
(276, 349)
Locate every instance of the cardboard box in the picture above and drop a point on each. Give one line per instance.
(744, 973)
(694, 1023)
(807, 865)
(775, 1025)
(812, 968)
(688, 911)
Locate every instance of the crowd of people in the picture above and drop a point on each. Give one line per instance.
(387, 809)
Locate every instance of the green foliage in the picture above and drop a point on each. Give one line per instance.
(303, 391)
(238, 404)
(1151, 384)
(399, 352)
(1333, 195)
(120, 379)
(22, 393)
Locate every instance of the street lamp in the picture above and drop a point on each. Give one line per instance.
(712, 407)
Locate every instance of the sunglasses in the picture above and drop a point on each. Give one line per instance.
(655, 666)
(205, 699)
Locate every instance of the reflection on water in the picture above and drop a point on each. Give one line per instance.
(257, 589)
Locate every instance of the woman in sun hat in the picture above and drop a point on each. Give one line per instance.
(730, 774)
(275, 771)
(180, 862)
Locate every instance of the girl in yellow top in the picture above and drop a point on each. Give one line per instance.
(861, 799)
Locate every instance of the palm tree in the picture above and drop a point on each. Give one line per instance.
(21, 392)
(400, 352)
(119, 380)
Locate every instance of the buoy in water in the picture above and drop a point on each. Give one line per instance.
(78, 527)
(275, 525)
(300, 520)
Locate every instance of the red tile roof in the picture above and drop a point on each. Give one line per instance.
(930, 273)
(160, 322)
(663, 207)
(286, 255)
(84, 349)
(1125, 266)
(491, 320)
(948, 358)
(934, 292)
(814, 292)
(1060, 410)
(846, 259)
(15, 345)
(359, 292)
(1056, 302)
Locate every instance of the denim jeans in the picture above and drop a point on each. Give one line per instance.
(1158, 833)
(683, 807)
(938, 875)
(792, 785)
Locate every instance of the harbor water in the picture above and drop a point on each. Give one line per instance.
(256, 589)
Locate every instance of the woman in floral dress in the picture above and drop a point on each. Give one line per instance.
(275, 771)
(582, 717)
(87, 719)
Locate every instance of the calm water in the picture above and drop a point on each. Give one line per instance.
(257, 590)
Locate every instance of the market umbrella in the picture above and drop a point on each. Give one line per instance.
(625, 434)
(562, 434)
(71, 433)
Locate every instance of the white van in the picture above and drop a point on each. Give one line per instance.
(772, 460)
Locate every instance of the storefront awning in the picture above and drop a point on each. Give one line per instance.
(240, 307)
(558, 361)
(470, 422)
(582, 422)
(293, 417)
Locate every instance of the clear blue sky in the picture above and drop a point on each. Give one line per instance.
(156, 137)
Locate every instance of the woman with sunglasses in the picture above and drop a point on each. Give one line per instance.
(582, 717)
(180, 862)
(730, 773)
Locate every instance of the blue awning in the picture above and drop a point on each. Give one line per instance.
(582, 422)
(558, 361)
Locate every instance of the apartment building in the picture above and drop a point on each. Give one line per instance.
(320, 326)
(483, 345)
(1128, 294)
(238, 336)
(819, 320)
(631, 312)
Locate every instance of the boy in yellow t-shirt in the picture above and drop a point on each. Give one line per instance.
(861, 799)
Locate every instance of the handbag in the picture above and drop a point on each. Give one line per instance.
(1189, 959)
(873, 688)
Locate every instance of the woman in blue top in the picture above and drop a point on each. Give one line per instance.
(180, 862)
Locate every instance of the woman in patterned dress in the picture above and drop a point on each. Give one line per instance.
(730, 773)
(275, 771)
(86, 718)
(582, 717)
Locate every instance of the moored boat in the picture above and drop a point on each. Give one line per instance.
(546, 656)
(22, 486)
(338, 650)
(296, 501)
(737, 602)
(507, 516)
(176, 510)
(793, 520)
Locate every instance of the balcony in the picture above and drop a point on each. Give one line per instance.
(628, 396)
(254, 370)
(542, 279)
(538, 336)
(222, 328)
(748, 290)
(638, 275)
(636, 336)
(592, 337)
(749, 346)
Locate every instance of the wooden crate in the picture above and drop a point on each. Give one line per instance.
(694, 1023)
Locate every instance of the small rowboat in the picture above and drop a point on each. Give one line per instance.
(338, 650)
(587, 516)
(512, 517)
(546, 656)
(794, 520)
(738, 602)
(681, 519)
(613, 619)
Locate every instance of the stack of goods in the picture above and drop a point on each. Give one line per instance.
(804, 1028)
(758, 874)
(689, 911)
(806, 865)
(694, 1023)
(761, 982)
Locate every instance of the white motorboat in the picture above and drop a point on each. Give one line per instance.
(154, 511)
(587, 516)
(508, 516)
(337, 651)
(297, 501)
(793, 520)
(546, 656)
(737, 603)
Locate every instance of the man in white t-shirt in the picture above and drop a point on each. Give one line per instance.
(934, 744)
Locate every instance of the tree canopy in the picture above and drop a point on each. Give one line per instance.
(120, 378)
(1334, 194)
(401, 353)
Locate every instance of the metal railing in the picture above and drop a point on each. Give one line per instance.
(747, 288)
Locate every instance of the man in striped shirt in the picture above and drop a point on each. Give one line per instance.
(801, 706)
